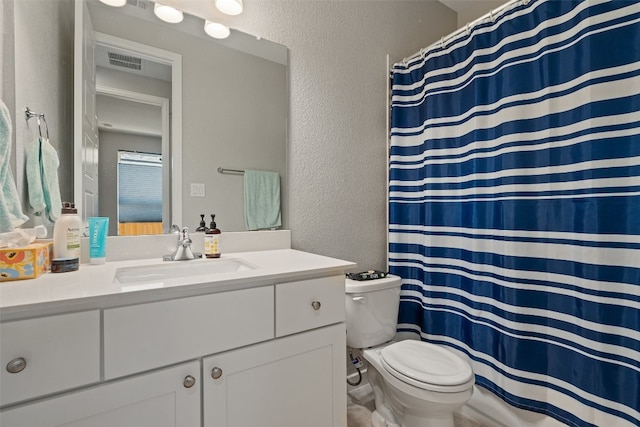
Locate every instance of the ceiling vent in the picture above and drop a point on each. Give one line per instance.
(125, 61)
(140, 4)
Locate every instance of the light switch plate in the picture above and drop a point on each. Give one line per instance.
(197, 190)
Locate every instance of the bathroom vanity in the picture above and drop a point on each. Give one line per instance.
(260, 346)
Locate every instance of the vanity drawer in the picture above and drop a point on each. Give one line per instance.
(48, 355)
(309, 304)
(146, 336)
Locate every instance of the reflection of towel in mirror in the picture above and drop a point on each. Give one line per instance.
(42, 179)
(261, 200)
(11, 215)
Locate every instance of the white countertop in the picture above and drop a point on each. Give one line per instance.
(93, 287)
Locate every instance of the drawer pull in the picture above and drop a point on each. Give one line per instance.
(316, 305)
(16, 365)
(216, 373)
(189, 381)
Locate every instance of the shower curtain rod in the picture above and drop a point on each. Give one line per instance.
(490, 15)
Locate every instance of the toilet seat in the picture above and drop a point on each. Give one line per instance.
(427, 366)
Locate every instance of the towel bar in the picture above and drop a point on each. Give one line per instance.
(233, 171)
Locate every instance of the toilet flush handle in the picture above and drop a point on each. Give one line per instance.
(360, 299)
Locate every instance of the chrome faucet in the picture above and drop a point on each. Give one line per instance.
(183, 251)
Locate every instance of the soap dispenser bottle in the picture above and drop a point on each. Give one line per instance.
(212, 240)
(203, 225)
(66, 233)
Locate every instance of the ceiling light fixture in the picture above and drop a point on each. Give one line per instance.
(114, 3)
(167, 13)
(229, 7)
(216, 30)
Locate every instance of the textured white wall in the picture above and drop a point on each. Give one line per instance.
(337, 132)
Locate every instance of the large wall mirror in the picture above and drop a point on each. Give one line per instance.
(161, 107)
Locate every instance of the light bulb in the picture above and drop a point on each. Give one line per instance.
(167, 13)
(229, 7)
(114, 3)
(216, 30)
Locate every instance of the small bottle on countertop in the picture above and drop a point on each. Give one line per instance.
(212, 240)
(66, 234)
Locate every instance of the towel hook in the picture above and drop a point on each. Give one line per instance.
(29, 114)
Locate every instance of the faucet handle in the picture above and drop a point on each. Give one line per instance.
(185, 232)
(184, 237)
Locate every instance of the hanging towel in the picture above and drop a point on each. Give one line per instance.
(11, 215)
(50, 182)
(34, 177)
(42, 179)
(261, 200)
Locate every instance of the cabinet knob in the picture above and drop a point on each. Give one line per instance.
(189, 381)
(316, 305)
(16, 365)
(216, 373)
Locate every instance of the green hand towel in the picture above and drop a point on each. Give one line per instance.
(50, 182)
(11, 215)
(42, 179)
(33, 170)
(261, 200)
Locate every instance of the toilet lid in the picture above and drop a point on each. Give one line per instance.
(425, 364)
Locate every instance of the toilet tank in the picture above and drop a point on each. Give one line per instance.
(372, 310)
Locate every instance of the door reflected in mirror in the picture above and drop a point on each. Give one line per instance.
(133, 134)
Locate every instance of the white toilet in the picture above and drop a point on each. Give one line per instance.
(416, 384)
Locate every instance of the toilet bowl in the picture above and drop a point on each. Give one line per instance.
(415, 383)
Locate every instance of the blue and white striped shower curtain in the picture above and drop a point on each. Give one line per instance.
(515, 205)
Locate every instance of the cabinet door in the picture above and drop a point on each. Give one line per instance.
(164, 398)
(299, 380)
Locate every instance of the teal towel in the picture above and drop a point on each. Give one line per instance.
(50, 181)
(42, 179)
(11, 215)
(261, 200)
(34, 177)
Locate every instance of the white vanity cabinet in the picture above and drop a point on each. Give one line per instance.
(271, 355)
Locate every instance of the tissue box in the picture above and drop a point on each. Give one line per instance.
(27, 262)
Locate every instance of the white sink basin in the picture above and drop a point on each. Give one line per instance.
(179, 269)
